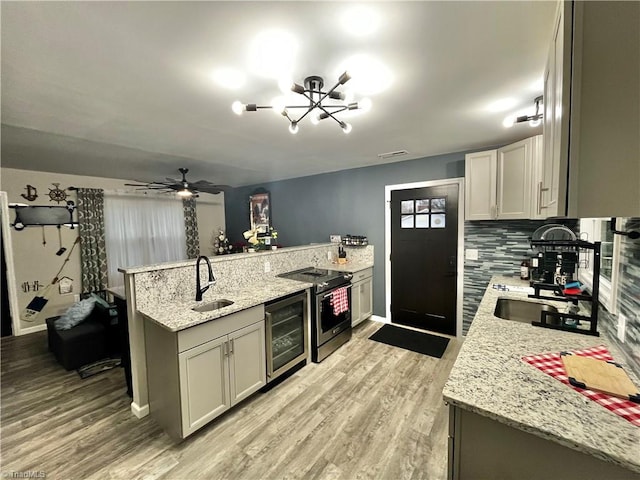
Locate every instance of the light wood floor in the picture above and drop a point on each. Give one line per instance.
(369, 411)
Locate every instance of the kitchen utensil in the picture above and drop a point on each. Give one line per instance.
(61, 249)
(600, 375)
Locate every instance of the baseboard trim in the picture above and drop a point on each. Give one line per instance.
(34, 329)
(139, 411)
(377, 318)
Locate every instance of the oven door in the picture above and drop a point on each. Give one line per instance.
(328, 324)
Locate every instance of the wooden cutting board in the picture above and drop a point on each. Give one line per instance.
(599, 375)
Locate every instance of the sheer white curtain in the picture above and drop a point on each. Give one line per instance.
(142, 230)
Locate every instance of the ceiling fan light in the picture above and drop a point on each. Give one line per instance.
(184, 193)
(293, 128)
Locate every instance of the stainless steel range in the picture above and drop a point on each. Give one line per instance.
(330, 310)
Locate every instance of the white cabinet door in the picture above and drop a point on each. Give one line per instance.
(366, 298)
(204, 384)
(537, 178)
(356, 316)
(514, 180)
(556, 115)
(247, 361)
(480, 185)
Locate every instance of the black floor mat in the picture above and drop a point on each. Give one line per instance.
(413, 340)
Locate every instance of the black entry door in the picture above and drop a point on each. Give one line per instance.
(424, 252)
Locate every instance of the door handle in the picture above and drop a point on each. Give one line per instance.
(225, 349)
(231, 344)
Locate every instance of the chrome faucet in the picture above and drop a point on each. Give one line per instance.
(212, 280)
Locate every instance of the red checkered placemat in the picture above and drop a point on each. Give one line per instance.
(551, 364)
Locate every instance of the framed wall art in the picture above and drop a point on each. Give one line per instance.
(259, 212)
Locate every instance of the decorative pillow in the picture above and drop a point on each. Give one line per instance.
(76, 314)
(100, 301)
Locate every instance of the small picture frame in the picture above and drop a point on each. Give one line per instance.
(260, 213)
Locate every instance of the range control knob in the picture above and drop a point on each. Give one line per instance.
(323, 284)
(348, 276)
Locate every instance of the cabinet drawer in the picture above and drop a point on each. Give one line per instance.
(194, 336)
(362, 274)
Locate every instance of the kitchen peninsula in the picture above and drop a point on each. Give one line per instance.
(164, 294)
(510, 420)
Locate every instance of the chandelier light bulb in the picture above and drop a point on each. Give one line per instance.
(365, 104)
(237, 107)
(315, 118)
(508, 121)
(293, 127)
(346, 127)
(535, 122)
(285, 84)
(278, 105)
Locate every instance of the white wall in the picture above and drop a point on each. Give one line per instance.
(35, 261)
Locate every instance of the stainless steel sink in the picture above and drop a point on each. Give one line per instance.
(522, 310)
(211, 306)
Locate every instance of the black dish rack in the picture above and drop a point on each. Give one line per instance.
(544, 289)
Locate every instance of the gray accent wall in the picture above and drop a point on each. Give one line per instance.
(309, 209)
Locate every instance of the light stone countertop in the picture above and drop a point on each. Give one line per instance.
(490, 379)
(178, 316)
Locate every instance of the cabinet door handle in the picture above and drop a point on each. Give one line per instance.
(225, 349)
(540, 205)
(231, 345)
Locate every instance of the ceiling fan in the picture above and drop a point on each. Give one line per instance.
(182, 187)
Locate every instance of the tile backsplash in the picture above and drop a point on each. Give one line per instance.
(501, 247)
(628, 298)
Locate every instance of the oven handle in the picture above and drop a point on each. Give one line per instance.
(331, 293)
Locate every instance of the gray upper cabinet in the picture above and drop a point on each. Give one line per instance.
(591, 127)
(502, 184)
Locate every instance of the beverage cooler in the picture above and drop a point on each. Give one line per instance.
(286, 334)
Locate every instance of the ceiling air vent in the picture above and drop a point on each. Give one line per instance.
(397, 153)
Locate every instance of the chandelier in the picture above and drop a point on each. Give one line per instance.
(321, 104)
(534, 120)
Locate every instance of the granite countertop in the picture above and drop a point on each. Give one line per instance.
(489, 378)
(179, 316)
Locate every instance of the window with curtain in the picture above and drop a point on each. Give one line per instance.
(142, 230)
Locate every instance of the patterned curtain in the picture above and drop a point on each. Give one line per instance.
(93, 252)
(191, 227)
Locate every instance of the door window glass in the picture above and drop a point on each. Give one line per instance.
(422, 206)
(438, 221)
(423, 213)
(406, 221)
(438, 205)
(422, 221)
(406, 206)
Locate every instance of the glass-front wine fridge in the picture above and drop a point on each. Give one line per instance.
(287, 332)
